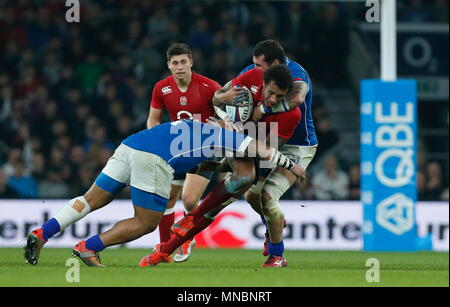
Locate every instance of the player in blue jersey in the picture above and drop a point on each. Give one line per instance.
(265, 195)
(147, 161)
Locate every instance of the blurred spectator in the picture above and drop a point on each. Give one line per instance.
(70, 92)
(330, 183)
(25, 185)
(53, 186)
(327, 136)
(300, 191)
(434, 186)
(6, 192)
(330, 33)
(14, 155)
(354, 187)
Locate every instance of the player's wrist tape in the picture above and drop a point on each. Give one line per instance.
(265, 110)
(281, 160)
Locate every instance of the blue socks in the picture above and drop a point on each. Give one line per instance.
(95, 244)
(50, 228)
(276, 249)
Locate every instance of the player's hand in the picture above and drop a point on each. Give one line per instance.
(299, 172)
(257, 114)
(235, 96)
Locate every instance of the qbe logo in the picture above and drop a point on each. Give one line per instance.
(395, 165)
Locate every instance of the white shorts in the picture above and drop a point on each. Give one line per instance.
(276, 184)
(139, 169)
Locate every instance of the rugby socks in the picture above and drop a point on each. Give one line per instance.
(50, 228)
(164, 225)
(72, 212)
(94, 243)
(200, 223)
(276, 249)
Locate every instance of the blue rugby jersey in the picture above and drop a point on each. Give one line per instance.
(305, 134)
(184, 144)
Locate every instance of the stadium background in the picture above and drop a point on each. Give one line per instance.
(70, 92)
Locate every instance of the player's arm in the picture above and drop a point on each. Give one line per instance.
(275, 157)
(154, 118)
(221, 96)
(156, 108)
(228, 95)
(295, 97)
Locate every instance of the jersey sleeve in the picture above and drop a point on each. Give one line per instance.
(157, 101)
(299, 74)
(249, 67)
(214, 87)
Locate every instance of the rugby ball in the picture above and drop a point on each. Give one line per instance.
(241, 114)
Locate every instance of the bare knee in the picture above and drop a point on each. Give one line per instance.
(240, 182)
(190, 202)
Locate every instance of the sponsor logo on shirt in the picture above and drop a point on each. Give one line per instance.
(254, 89)
(166, 90)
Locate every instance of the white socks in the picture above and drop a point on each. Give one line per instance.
(71, 213)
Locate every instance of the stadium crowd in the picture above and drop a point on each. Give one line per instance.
(70, 92)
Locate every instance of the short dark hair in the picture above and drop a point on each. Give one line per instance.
(178, 49)
(280, 75)
(271, 49)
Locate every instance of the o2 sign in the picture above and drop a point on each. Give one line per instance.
(388, 164)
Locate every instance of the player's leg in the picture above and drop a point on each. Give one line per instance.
(223, 194)
(150, 178)
(113, 178)
(148, 211)
(194, 187)
(274, 187)
(169, 215)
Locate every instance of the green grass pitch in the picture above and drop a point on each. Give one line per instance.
(229, 268)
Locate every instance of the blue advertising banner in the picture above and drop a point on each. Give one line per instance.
(388, 164)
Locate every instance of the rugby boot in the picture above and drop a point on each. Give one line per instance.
(184, 251)
(34, 245)
(156, 257)
(183, 226)
(89, 257)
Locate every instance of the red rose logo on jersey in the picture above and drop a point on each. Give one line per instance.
(218, 236)
(183, 101)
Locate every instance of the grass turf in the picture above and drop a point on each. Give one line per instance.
(229, 268)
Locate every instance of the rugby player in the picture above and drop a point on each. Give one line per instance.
(301, 147)
(147, 161)
(184, 94)
(268, 88)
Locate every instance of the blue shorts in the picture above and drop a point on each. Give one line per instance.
(139, 197)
